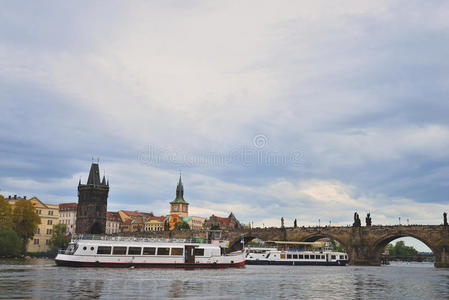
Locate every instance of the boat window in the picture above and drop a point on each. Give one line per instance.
(134, 250)
(282, 256)
(119, 251)
(301, 256)
(312, 256)
(199, 252)
(323, 257)
(346, 257)
(342, 257)
(289, 256)
(149, 251)
(306, 257)
(176, 251)
(295, 256)
(333, 257)
(104, 250)
(163, 251)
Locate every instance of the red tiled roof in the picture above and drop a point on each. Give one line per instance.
(111, 215)
(161, 218)
(137, 213)
(68, 206)
(225, 220)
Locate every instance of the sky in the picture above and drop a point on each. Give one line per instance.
(294, 109)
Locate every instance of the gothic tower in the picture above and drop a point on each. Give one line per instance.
(179, 206)
(92, 203)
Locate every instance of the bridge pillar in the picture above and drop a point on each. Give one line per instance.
(361, 251)
(442, 257)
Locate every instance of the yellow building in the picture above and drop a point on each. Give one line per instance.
(154, 225)
(49, 214)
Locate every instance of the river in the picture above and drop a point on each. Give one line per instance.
(41, 279)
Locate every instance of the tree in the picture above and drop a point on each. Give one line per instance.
(400, 249)
(181, 225)
(25, 220)
(58, 238)
(5, 213)
(10, 243)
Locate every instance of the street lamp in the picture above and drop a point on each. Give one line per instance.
(319, 223)
(399, 220)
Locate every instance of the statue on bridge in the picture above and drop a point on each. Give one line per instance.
(295, 224)
(445, 218)
(282, 222)
(357, 222)
(368, 220)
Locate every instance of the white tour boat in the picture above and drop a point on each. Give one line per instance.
(146, 253)
(294, 256)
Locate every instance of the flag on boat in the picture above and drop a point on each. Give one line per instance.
(69, 234)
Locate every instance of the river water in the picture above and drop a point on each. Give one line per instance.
(41, 279)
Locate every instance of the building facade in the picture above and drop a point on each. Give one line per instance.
(92, 203)
(154, 226)
(49, 214)
(113, 222)
(219, 223)
(196, 223)
(67, 216)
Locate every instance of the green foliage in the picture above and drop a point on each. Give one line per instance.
(337, 247)
(25, 220)
(58, 239)
(400, 249)
(5, 213)
(10, 243)
(181, 225)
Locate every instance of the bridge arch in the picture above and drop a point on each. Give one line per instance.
(380, 244)
(316, 236)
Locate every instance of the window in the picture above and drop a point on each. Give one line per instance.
(104, 250)
(199, 252)
(323, 257)
(184, 208)
(36, 241)
(306, 257)
(333, 257)
(48, 231)
(312, 256)
(119, 251)
(47, 242)
(282, 255)
(49, 222)
(38, 230)
(342, 257)
(163, 251)
(38, 211)
(134, 251)
(301, 256)
(175, 208)
(289, 256)
(149, 251)
(176, 251)
(50, 213)
(295, 256)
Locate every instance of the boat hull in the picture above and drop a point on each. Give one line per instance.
(297, 263)
(67, 263)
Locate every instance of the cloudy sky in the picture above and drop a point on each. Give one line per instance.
(270, 109)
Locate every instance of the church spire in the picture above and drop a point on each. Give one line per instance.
(179, 192)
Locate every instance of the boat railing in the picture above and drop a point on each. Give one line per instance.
(136, 239)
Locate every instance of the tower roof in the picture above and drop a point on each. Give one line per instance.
(94, 175)
(179, 193)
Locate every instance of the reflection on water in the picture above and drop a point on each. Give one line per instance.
(41, 279)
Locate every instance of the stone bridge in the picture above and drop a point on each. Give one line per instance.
(364, 245)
